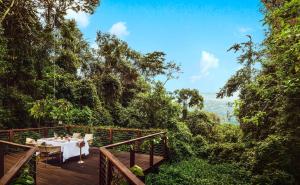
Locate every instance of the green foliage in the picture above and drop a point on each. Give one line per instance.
(268, 106)
(62, 110)
(225, 152)
(21, 136)
(153, 109)
(25, 178)
(200, 122)
(48, 73)
(200, 145)
(226, 132)
(197, 171)
(273, 162)
(180, 142)
(189, 98)
(111, 88)
(138, 171)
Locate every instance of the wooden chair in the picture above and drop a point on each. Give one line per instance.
(76, 135)
(50, 151)
(89, 138)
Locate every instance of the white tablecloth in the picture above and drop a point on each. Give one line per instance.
(69, 148)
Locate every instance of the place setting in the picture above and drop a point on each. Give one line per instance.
(62, 148)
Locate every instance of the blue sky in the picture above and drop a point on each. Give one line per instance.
(194, 33)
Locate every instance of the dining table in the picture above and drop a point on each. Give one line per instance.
(69, 146)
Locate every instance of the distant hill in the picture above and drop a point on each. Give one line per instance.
(221, 107)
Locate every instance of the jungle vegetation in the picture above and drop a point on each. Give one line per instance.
(50, 73)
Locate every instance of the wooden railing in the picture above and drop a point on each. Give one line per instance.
(110, 168)
(149, 143)
(19, 135)
(26, 157)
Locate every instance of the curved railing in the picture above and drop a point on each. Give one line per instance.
(144, 148)
(22, 158)
(113, 171)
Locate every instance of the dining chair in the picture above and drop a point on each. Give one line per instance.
(50, 151)
(30, 142)
(89, 138)
(76, 135)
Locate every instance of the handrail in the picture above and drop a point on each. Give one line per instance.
(29, 129)
(134, 140)
(112, 160)
(16, 144)
(105, 154)
(121, 167)
(114, 128)
(7, 178)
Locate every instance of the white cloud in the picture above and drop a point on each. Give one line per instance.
(81, 18)
(119, 29)
(244, 30)
(208, 61)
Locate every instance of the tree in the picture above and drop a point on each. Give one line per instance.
(152, 109)
(189, 98)
(30, 29)
(73, 50)
(6, 8)
(269, 104)
(249, 57)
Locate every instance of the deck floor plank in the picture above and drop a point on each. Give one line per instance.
(72, 173)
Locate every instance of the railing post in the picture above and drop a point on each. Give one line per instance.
(138, 134)
(132, 156)
(45, 132)
(151, 152)
(11, 135)
(1, 160)
(101, 182)
(111, 136)
(165, 145)
(109, 172)
(68, 128)
(32, 166)
(87, 129)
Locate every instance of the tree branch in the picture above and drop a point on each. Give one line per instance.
(7, 10)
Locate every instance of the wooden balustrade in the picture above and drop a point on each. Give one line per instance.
(27, 157)
(105, 176)
(108, 163)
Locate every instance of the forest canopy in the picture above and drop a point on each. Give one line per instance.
(50, 73)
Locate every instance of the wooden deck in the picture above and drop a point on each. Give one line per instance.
(72, 173)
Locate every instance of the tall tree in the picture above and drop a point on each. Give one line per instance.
(30, 52)
(189, 98)
(269, 103)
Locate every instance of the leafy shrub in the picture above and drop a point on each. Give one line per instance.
(199, 172)
(226, 132)
(275, 177)
(180, 140)
(153, 109)
(225, 152)
(21, 136)
(200, 145)
(273, 162)
(119, 179)
(25, 178)
(201, 123)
